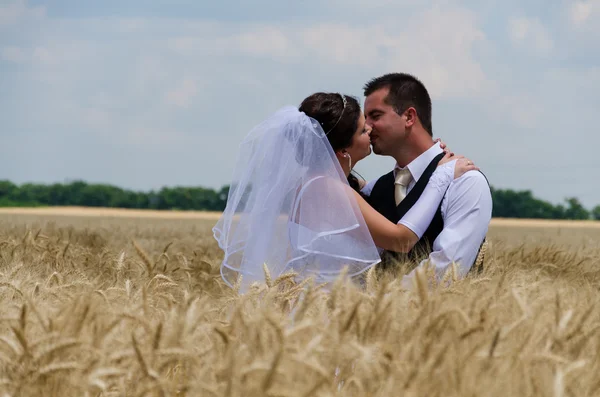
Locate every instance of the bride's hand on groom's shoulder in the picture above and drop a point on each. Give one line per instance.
(462, 165)
(442, 144)
(448, 156)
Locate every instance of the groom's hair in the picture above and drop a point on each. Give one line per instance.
(405, 91)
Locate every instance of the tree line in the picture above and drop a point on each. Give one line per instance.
(507, 203)
(80, 193)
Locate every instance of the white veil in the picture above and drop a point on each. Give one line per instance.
(290, 207)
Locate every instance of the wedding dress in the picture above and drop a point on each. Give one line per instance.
(290, 207)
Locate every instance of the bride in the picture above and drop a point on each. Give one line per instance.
(294, 205)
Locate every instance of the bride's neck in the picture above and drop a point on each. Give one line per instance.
(345, 167)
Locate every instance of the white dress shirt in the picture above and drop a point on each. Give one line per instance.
(466, 211)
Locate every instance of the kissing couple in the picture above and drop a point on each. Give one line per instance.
(294, 204)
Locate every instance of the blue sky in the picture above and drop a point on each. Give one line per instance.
(147, 94)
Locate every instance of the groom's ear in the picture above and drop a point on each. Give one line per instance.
(411, 116)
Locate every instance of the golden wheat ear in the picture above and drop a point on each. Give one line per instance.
(238, 284)
(478, 266)
(371, 280)
(268, 279)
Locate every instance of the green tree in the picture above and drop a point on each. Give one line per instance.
(522, 204)
(596, 213)
(222, 197)
(575, 210)
(7, 188)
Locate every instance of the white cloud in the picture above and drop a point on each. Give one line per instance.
(438, 45)
(524, 109)
(264, 41)
(339, 5)
(14, 54)
(581, 11)
(44, 56)
(15, 12)
(573, 84)
(97, 118)
(583, 19)
(184, 93)
(530, 34)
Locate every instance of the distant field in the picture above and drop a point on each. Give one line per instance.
(108, 302)
(206, 215)
(110, 212)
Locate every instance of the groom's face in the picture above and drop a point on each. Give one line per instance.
(388, 127)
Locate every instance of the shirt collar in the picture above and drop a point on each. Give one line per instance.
(418, 165)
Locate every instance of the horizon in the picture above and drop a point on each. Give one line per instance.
(217, 190)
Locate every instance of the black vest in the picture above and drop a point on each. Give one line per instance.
(382, 199)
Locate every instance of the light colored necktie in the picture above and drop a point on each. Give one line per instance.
(403, 178)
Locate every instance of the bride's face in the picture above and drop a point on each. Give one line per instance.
(361, 141)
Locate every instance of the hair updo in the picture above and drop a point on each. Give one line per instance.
(338, 121)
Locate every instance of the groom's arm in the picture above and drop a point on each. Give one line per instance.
(467, 211)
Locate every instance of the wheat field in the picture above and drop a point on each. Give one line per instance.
(130, 305)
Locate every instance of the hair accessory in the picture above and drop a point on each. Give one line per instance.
(341, 115)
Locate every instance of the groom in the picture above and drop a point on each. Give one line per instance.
(398, 108)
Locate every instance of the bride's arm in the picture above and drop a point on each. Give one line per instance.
(386, 234)
(403, 236)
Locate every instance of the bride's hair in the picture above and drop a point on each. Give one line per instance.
(338, 120)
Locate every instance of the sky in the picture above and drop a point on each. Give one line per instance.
(145, 94)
